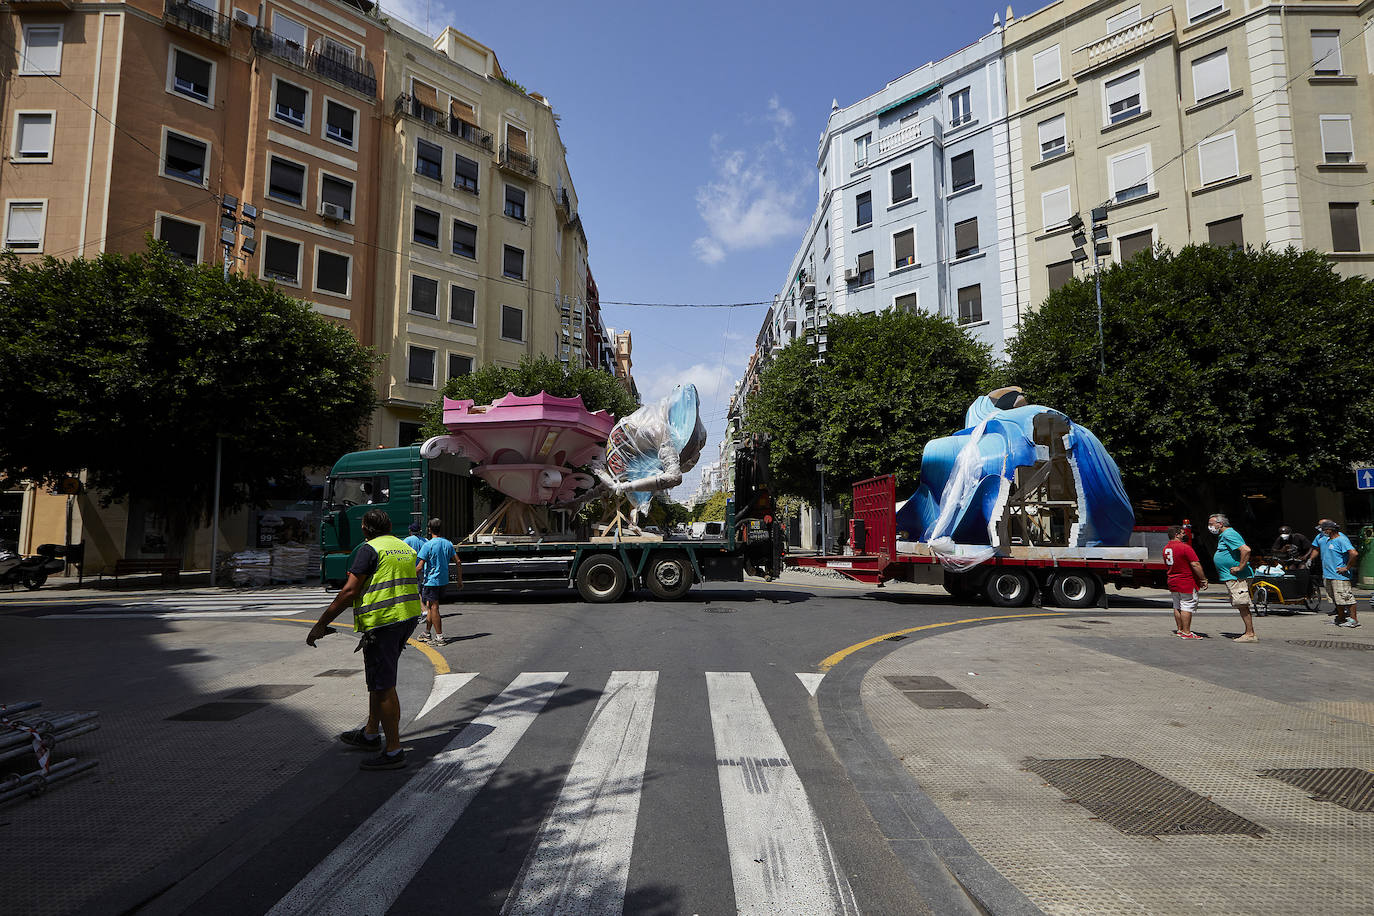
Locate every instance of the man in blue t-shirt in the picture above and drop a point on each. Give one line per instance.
(434, 559)
(1338, 569)
(1232, 560)
(414, 541)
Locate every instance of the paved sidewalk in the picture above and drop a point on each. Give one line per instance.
(1208, 714)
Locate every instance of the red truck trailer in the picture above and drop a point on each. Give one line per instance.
(1071, 577)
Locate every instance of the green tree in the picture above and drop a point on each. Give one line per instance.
(667, 514)
(130, 366)
(713, 510)
(890, 382)
(1226, 368)
(598, 389)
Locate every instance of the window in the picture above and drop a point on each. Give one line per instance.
(971, 304)
(332, 272)
(289, 29)
(513, 263)
(339, 192)
(1211, 75)
(1130, 174)
(512, 323)
(1123, 97)
(462, 304)
(24, 224)
(1059, 274)
(285, 180)
(1225, 232)
(181, 238)
(1056, 207)
(962, 171)
(409, 433)
(1133, 244)
(517, 140)
(1338, 143)
(966, 237)
(1046, 67)
(861, 150)
(1053, 137)
(185, 158)
(1326, 52)
(866, 268)
(1216, 158)
(905, 303)
(863, 210)
(1345, 227)
(429, 160)
(901, 187)
(904, 249)
(292, 104)
(464, 174)
(426, 228)
(42, 50)
(464, 239)
(1123, 19)
(515, 202)
(1199, 8)
(33, 136)
(420, 366)
(192, 76)
(281, 259)
(424, 295)
(960, 108)
(339, 122)
(459, 365)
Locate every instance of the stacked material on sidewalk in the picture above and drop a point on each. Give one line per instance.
(289, 564)
(274, 566)
(27, 734)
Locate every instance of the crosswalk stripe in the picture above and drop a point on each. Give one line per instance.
(580, 862)
(780, 856)
(367, 872)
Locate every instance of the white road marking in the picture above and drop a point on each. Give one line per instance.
(811, 681)
(780, 857)
(162, 615)
(445, 685)
(367, 871)
(580, 862)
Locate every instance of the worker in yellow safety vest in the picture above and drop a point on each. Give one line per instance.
(384, 592)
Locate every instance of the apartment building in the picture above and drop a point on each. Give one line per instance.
(1216, 121)
(483, 257)
(623, 356)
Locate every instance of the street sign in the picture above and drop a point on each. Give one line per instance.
(1364, 478)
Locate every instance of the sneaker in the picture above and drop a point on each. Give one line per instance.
(1246, 637)
(1349, 622)
(1188, 636)
(384, 761)
(359, 738)
(439, 641)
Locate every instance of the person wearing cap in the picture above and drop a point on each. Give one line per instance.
(1290, 547)
(414, 540)
(1314, 553)
(1338, 569)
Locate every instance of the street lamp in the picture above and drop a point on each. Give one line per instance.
(1102, 247)
(232, 225)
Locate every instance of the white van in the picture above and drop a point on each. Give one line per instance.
(704, 530)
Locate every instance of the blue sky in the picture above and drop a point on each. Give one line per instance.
(692, 134)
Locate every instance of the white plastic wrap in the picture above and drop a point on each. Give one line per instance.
(959, 489)
(652, 448)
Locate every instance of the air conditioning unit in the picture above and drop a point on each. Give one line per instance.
(851, 275)
(243, 17)
(331, 211)
(808, 292)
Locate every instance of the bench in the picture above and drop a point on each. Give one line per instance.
(168, 567)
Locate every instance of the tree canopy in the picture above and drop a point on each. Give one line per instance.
(713, 510)
(1225, 368)
(890, 382)
(129, 366)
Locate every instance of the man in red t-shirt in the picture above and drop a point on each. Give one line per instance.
(1186, 579)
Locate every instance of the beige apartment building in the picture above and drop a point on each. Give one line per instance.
(1199, 121)
(482, 255)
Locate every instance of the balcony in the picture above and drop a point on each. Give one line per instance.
(1124, 41)
(410, 106)
(470, 133)
(48, 6)
(349, 73)
(564, 204)
(197, 19)
(907, 135)
(518, 162)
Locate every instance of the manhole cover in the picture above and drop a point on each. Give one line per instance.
(1345, 786)
(340, 672)
(215, 712)
(1331, 644)
(268, 692)
(720, 610)
(919, 682)
(1136, 800)
(943, 699)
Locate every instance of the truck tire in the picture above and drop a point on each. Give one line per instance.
(669, 575)
(1075, 590)
(601, 579)
(1008, 587)
(961, 586)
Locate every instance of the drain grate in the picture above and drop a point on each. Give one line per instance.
(1136, 800)
(720, 610)
(919, 682)
(268, 692)
(215, 712)
(340, 672)
(1348, 787)
(1331, 644)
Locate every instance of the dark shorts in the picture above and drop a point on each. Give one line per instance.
(430, 594)
(381, 650)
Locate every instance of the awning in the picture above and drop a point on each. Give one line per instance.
(933, 87)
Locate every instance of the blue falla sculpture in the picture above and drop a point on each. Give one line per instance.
(1017, 473)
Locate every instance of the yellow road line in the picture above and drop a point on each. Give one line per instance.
(833, 660)
(435, 659)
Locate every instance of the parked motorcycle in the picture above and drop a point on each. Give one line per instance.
(30, 572)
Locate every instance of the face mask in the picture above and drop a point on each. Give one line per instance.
(1214, 529)
(1285, 536)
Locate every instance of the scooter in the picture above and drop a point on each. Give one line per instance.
(30, 572)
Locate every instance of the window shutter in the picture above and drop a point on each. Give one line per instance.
(1225, 232)
(1059, 274)
(26, 223)
(1133, 244)
(966, 237)
(1200, 8)
(35, 135)
(1046, 66)
(1337, 141)
(1056, 207)
(1123, 19)
(1217, 159)
(904, 248)
(425, 94)
(1326, 51)
(516, 140)
(971, 304)
(1123, 93)
(1052, 135)
(1211, 75)
(961, 167)
(1130, 170)
(462, 111)
(1345, 227)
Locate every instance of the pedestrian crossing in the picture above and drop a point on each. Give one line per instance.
(277, 603)
(779, 855)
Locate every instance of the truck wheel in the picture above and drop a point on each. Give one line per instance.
(35, 580)
(1008, 587)
(669, 576)
(963, 587)
(601, 579)
(1074, 590)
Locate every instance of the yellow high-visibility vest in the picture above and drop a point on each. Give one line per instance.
(393, 592)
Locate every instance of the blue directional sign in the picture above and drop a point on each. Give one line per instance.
(1364, 478)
